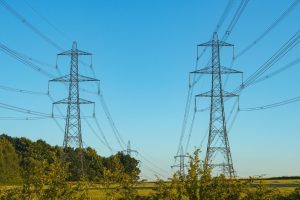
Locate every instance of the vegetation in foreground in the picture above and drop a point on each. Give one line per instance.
(36, 172)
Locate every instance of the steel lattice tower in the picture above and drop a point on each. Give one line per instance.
(73, 134)
(128, 151)
(181, 164)
(218, 144)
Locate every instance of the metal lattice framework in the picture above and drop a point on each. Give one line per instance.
(73, 134)
(218, 144)
(181, 164)
(129, 150)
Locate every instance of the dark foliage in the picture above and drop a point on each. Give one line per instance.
(29, 152)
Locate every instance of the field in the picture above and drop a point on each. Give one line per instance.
(96, 192)
(285, 186)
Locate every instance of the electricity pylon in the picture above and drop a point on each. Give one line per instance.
(128, 151)
(218, 144)
(73, 134)
(181, 164)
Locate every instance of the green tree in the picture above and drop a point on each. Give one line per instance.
(118, 183)
(93, 164)
(9, 163)
(47, 182)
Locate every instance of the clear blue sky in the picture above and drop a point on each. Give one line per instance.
(143, 52)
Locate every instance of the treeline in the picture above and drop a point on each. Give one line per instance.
(39, 171)
(19, 157)
(44, 175)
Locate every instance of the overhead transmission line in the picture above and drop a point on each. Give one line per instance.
(22, 118)
(47, 21)
(11, 89)
(273, 105)
(4, 4)
(279, 54)
(278, 71)
(45, 64)
(111, 122)
(118, 136)
(265, 33)
(269, 28)
(235, 19)
(32, 27)
(103, 139)
(102, 133)
(158, 174)
(23, 60)
(28, 111)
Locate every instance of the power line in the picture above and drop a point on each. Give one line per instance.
(269, 29)
(266, 32)
(280, 70)
(155, 165)
(23, 118)
(47, 21)
(11, 89)
(273, 105)
(224, 15)
(101, 132)
(103, 141)
(283, 50)
(23, 60)
(32, 112)
(29, 25)
(190, 132)
(185, 118)
(152, 170)
(43, 63)
(235, 19)
(115, 130)
(27, 111)
(111, 123)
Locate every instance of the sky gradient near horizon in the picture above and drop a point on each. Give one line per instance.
(143, 52)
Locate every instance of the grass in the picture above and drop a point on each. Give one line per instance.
(285, 186)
